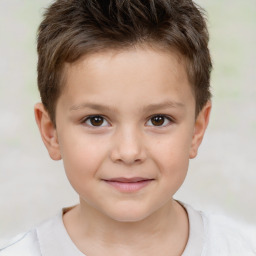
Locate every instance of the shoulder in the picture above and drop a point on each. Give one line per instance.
(47, 238)
(225, 236)
(220, 235)
(25, 244)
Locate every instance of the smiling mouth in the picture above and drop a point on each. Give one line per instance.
(129, 184)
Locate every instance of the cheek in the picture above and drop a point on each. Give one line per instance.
(82, 158)
(172, 149)
(172, 158)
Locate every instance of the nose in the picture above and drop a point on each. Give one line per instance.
(128, 147)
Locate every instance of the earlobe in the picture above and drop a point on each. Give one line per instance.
(199, 129)
(48, 131)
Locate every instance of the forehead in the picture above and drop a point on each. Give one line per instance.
(144, 57)
(126, 73)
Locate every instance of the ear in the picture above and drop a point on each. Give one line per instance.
(48, 131)
(201, 124)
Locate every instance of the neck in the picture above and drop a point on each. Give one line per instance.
(167, 226)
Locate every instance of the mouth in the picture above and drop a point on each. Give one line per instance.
(128, 184)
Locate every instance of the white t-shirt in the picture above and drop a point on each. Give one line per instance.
(209, 235)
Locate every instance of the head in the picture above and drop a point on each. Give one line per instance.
(75, 28)
(125, 93)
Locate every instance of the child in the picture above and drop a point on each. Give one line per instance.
(125, 103)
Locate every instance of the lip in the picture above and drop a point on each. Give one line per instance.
(129, 185)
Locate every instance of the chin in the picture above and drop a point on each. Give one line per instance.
(129, 214)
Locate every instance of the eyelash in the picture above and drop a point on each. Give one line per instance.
(89, 118)
(166, 118)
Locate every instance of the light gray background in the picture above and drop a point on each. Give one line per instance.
(222, 178)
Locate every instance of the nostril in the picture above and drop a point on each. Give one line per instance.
(128, 148)
(126, 158)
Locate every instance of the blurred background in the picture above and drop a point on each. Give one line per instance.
(221, 179)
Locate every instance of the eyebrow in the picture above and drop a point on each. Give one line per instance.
(94, 106)
(163, 105)
(148, 108)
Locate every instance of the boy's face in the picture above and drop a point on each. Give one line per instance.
(126, 129)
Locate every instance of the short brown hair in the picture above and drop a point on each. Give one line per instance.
(72, 28)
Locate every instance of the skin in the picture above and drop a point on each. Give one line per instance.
(128, 90)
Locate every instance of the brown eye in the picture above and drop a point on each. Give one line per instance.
(96, 121)
(158, 120)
